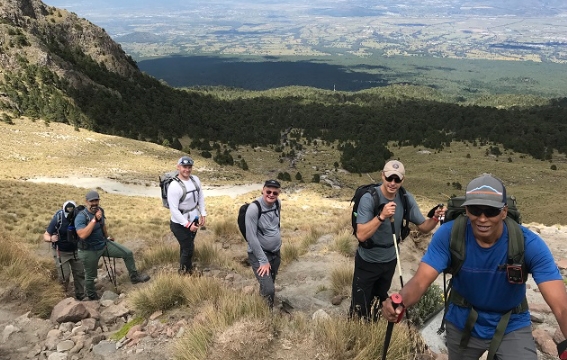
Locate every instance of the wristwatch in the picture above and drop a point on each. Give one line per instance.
(380, 218)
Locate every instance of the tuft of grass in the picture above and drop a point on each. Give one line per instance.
(226, 230)
(166, 291)
(341, 280)
(344, 243)
(32, 278)
(289, 253)
(158, 254)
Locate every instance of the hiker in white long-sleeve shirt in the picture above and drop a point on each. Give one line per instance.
(187, 207)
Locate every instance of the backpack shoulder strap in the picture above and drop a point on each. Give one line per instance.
(59, 220)
(257, 203)
(376, 198)
(457, 244)
(516, 245)
(403, 195)
(195, 183)
(183, 188)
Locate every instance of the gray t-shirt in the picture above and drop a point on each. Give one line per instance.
(263, 234)
(383, 236)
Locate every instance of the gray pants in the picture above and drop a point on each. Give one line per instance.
(267, 282)
(70, 263)
(517, 345)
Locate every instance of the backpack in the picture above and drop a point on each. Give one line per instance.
(456, 212)
(72, 236)
(166, 179)
(371, 188)
(242, 216)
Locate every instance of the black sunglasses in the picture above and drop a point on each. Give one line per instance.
(69, 208)
(270, 192)
(393, 178)
(488, 211)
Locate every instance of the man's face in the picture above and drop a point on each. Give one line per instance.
(486, 222)
(93, 205)
(185, 171)
(391, 183)
(270, 195)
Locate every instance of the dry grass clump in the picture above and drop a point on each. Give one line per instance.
(31, 279)
(341, 279)
(345, 339)
(344, 242)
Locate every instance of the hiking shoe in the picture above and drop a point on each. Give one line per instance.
(139, 278)
(91, 297)
(79, 297)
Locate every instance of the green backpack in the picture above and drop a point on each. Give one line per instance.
(515, 267)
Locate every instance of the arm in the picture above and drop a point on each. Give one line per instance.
(430, 224)
(369, 223)
(47, 237)
(555, 296)
(202, 209)
(412, 291)
(86, 231)
(252, 233)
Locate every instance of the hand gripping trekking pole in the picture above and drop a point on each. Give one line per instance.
(399, 261)
(396, 301)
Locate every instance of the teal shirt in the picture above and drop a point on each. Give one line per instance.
(96, 240)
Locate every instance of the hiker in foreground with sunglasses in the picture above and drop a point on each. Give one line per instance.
(488, 307)
(375, 260)
(264, 238)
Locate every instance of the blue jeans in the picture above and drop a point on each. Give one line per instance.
(267, 282)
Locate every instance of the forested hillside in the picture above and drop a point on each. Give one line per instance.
(58, 67)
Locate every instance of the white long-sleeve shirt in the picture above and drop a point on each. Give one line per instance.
(194, 201)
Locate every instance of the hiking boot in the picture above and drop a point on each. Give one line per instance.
(91, 297)
(79, 297)
(136, 278)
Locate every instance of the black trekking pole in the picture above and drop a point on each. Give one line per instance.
(60, 263)
(109, 269)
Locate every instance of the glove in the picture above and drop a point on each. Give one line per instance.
(562, 350)
(431, 212)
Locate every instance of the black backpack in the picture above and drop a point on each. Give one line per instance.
(371, 188)
(242, 216)
(72, 236)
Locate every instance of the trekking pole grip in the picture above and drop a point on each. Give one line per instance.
(397, 302)
(562, 350)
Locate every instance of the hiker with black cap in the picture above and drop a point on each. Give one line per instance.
(375, 260)
(187, 208)
(264, 239)
(64, 251)
(488, 308)
(96, 242)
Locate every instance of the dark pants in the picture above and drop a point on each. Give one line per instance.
(267, 282)
(370, 280)
(186, 240)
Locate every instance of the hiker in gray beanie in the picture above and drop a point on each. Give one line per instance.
(96, 242)
(65, 251)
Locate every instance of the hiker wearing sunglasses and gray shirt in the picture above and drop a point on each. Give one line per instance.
(375, 260)
(264, 238)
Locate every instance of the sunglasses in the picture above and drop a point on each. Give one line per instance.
(393, 178)
(270, 192)
(488, 211)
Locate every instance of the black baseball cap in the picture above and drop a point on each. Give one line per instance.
(272, 183)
